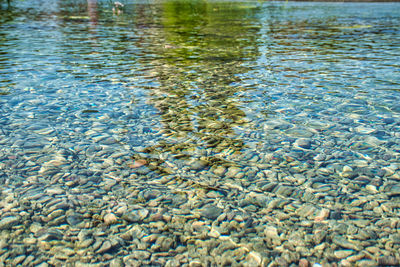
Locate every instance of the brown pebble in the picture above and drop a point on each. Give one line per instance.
(110, 218)
(138, 163)
(303, 263)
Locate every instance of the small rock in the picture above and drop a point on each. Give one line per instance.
(106, 246)
(138, 163)
(271, 232)
(74, 218)
(50, 235)
(116, 263)
(254, 259)
(198, 165)
(322, 215)
(303, 263)
(303, 143)
(388, 261)
(140, 254)
(341, 254)
(135, 215)
(8, 222)
(232, 172)
(110, 218)
(341, 241)
(319, 157)
(347, 169)
(388, 120)
(214, 233)
(220, 170)
(211, 212)
(195, 263)
(18, 260)
(364, 130)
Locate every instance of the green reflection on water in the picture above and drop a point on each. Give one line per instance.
(203, 46)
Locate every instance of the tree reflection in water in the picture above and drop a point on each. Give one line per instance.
(196, 62)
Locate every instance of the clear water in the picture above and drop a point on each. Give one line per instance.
(189, 89)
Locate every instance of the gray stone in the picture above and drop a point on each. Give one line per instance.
(135, 215)
(52, 234)
(116, 263)
(211, 212)
(341, 241)
(8, 222)
(388, 261)
(198, 165)
(303, 143)
(140, 254)
(106, 246)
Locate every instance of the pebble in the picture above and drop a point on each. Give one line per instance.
(18, 260)
(8, 222)
(211, 212)
(220, 170)
(388, 261)
(303, 143)
(232, 172)
(198, 165)
(140, 254)
(110, 218)
(135, 215)
(254, 259)
(341, 254)
(304, 263)
(106, 246)
(341, 241)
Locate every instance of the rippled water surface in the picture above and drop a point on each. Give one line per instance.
(199, 133)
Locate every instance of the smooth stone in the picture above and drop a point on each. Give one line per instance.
(260, 200)
(198, 165)
(211, 212)
(220, 170)
(254, 259)
(74, 219)
(319, 157)
(106, 246)
(388, 120)
(347, 169)
(304, 263)
(116, 263)
(8, 222)
(55, 214)
(165, 243)
(18, 260)
(303, 143)
(214, 233)
(394, 190)
(3, 244)
(341, 254)
(271, 232)
(140, 254)
(341, 241)
(110, 218)
(85, 243)
(388, 261)
(28, 261)
(232, 172)
(151, 194)
(319, 236)
(52, 234)
(135, 215)
(364, 130)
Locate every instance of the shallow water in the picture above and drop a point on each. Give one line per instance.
(199, 132)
